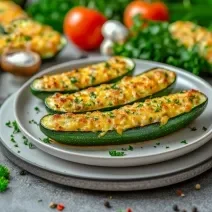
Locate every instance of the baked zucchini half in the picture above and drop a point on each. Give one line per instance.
(149, 120)
(155, 82)
(92, 75)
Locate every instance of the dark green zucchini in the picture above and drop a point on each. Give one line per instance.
(138, 134)
(114, 90)
(43, 93)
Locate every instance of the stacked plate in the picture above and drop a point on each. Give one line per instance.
(151, 164)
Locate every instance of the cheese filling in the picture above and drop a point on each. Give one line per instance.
(157, 110)
(129, 89)
(84, 77)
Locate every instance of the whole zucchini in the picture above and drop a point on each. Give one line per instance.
(132, 123)
(130, 89)
(69, 82)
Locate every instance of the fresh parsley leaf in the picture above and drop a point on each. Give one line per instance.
(9, 124)
(130, 148)
(184, 142)
(204, 128)
(37, 109)
(115, 153)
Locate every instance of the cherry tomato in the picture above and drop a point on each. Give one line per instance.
(83, 27)
(156, 11)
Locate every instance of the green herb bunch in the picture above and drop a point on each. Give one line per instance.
(4, 178)
(154, 42)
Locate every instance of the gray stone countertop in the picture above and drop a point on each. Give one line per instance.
(24, 192)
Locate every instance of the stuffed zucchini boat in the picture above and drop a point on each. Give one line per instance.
(69, 82)
(31, 35)
(149, 120)
(155, 82)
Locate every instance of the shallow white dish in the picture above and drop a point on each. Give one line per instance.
(99, 178)
(154, 151)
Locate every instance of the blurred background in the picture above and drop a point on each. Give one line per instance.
(34, 32)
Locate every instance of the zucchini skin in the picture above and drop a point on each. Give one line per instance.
(163, 92)
(44, 94)
(139, 134)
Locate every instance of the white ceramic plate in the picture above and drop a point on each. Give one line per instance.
(100, 178)
(145, 152)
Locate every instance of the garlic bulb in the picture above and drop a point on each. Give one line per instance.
(106, 47)
(115, 31)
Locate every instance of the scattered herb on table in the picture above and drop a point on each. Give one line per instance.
(107, 204)
(37, 109)
(184, 142)
(23, 172)
(4, 178)
(115, 153)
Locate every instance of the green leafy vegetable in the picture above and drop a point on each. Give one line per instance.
(4, 171)
(3, 184)
(155, 42)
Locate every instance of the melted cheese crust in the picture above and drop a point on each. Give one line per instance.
(84, 77)
(190, 34)
(31, 35)
(10, 11)
(129, 89)
(157, 110)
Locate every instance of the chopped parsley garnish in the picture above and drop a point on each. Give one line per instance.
(176, 101)
(140, 105)
(158, 144)
(9, 124)
(167, 147)
(77, 100)
(191, 98)
(130, 148)
(73, 80)
(33, 122)
(92, 79)
(115, 153)
(13, 140)
(124, 149)
(158, 108)
(150, 119)
(15, 127)
(107, 65)
(204, 128)
(114, 86)
(93, 95)
(184, 142)
(111, 114)
(37, 109)
(46, 140)
(27, 38)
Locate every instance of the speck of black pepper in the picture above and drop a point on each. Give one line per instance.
(194, 209)
(23, 172)
(107, 204)
(193, 129)
(175, 208)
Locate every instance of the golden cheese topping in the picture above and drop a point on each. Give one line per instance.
(190, 34)
(85, 77)
(31, 35)
(9, 11)
(157, 110)
(129, 89)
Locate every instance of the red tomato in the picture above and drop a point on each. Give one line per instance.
(156, 11)
(83, 27)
